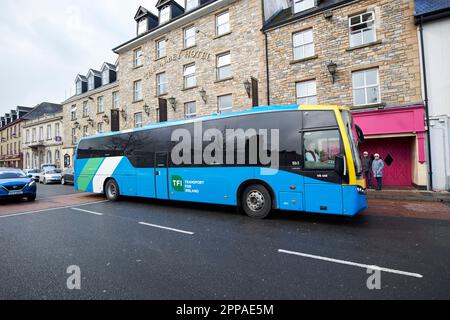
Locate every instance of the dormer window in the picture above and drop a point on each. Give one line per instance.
(142, 26)
(191, 4)
(105, 77)
(79, 87)
(164, 15)
(91, 83)
(302, 5)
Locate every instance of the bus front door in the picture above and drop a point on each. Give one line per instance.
(161, 175)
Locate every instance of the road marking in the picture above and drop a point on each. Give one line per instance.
(52, 209)
(360, 265)
(87, 211)
(166, 228)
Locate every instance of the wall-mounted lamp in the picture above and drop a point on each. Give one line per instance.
(123, 112)
(203, 95)
(106, 119)
(173, 103)
(90, 122)
(332, 69)
(248, 88)
(147, 109)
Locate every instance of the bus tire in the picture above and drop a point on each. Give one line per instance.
(257, 202)
(112, 191)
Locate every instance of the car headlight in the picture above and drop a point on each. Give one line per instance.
(361, 190)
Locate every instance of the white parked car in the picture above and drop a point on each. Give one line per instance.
(50, 176)
(34, 173)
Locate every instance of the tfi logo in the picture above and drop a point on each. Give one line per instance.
(177, 183)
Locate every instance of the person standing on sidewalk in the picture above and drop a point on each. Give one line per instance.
(377, 168)
(367, 168)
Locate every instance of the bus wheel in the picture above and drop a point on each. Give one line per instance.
(257, 202)
(112, 190)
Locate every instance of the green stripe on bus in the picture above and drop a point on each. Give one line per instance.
(88, 173)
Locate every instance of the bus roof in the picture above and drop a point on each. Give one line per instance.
(261, 109)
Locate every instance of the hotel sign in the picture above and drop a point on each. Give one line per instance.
(183, 54)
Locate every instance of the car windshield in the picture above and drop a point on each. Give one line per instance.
(51, 172)
(12, 174)
(349, 126)
(33, 171)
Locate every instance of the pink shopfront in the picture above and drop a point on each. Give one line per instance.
(398, 135)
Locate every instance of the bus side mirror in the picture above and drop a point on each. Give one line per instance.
(339, 165)
(360, 133)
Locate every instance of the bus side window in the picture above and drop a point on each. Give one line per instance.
(321, 149)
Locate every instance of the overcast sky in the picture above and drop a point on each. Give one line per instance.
(44, 44)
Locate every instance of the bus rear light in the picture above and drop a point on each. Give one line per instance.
(293, 187)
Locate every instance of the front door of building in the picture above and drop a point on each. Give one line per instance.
(396, 153)
(115, 120)
(163, 117)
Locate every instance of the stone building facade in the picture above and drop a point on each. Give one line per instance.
(362, 54)
(184, 54)
(94, 109)
(43, 136)
(11, 138)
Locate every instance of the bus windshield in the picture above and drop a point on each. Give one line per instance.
(350, 127)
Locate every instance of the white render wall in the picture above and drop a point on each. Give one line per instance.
(437, 52)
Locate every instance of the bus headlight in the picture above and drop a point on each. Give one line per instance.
(361, 190)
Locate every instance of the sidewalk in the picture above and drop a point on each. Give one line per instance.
(409, 195)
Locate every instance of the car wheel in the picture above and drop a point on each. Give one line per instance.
(31, 198)
(112, 191)
(257, 202)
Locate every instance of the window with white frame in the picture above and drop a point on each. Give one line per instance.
(302, 5)
(79, 87)
(164, 15)
(116, 100)
(306, 92)
(105, 77)
(57, 130)
(303, 43)
(223, 23)
(91, 83)
(138, 57)
(85, 131)
(100, 127)
(49, 156)
(138, 120)
(74, 136)
(362, 29)
(137, 90)
(190, 110)
(33, 135)
(225, 104)
(27, 136)
(49, 132)
(85, 109)
(161, 48)
(191, 4)
(224, 66)
(41, 133)
(366, 87)
(161, 84)
(190, 80)
(73, 113)
(100, 105)
(142, 26)
(189, 37)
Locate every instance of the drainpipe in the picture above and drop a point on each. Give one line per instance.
(425, 84)
(266, 52)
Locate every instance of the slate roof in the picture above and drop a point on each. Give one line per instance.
(43, 109)
(287, 15)
(431, 6)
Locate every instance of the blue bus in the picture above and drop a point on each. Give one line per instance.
(294, 158)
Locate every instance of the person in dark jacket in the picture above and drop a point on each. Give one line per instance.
(367, 168)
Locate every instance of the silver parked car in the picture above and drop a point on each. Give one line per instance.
(50, 176)
(34, 173)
